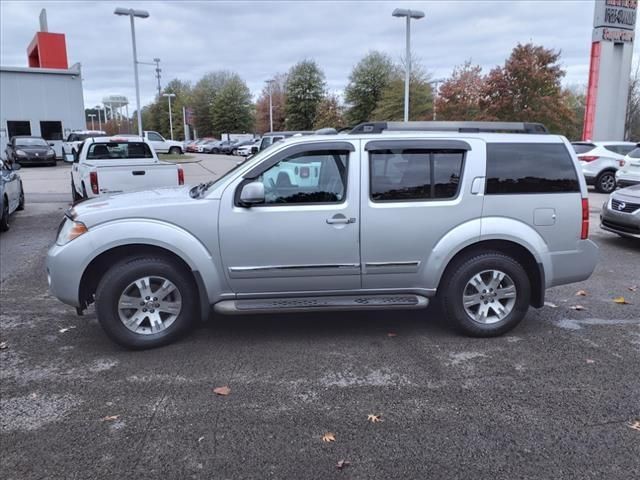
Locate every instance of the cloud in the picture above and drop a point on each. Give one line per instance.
(258, 39)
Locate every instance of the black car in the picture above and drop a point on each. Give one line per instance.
(34, 150)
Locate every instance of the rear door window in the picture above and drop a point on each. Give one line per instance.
(530, 168)
(635, 153)
(583, 147)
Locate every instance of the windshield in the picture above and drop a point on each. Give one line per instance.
(31, 142)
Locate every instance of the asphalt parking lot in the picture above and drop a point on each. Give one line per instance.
(555, 398)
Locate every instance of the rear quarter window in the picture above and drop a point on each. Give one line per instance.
(520, 168)
(635, 153)
(583, 147)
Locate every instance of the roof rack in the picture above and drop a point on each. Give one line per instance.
(462, 127)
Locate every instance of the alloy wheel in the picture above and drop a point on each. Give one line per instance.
(489, 296)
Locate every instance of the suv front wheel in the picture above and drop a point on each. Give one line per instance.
(486, 294)
(146, 302)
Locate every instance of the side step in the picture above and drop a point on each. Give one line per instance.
(313, 304)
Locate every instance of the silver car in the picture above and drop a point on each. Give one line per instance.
(11, 193)
(391, 216)
(621, 212)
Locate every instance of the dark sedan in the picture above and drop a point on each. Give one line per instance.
(30, 150)
(621, 213)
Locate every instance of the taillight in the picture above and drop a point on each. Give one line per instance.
(621, 163)
(180, 176)
(588, 158)
(93, 179)
(585, 219)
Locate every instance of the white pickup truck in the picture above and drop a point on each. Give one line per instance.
(162, 145)
(75, 138)
(111, 165)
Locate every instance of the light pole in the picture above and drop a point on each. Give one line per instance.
(408, 14)
(270, 84)
(170, 96)
(99, 108)
(436, 84)
(132, 14)
(92, 116)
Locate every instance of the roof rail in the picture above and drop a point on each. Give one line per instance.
(462, 127)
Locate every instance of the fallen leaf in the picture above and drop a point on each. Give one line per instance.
(620, 301)
(577, 307)
(65, 329)
(110, 418)
(328, 437)
(635, 425)
(3, 345)
(549, 304)
(581, 293)
(374, 418)
(392, 334)
(224, 391)
(632, 288)
(342, 463)
(588, 360)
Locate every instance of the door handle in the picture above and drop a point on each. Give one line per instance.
(138, 172)
(340, 220)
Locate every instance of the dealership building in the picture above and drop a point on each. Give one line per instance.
(44, 98)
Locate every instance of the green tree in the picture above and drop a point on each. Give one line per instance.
(576, 99)
(232, 110)
(367, 82)
(204, 94)
(329, 114)
(391, 103)
(459, 95)
(528, 89)
(305, 91)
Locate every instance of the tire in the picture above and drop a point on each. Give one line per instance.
(75, 196)
(234, 151)
(457, 283)
(215, 151)
(4, 217)
(175, 151)
(121, 279)
(606, 182)
(21, 202)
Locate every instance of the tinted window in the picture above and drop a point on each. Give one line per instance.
(529, 168)
(635, 153)
(153, 136)
(625, 149)
(116, 150)
(30, 142)
(307, 177)
(414, 174)
(583, 147)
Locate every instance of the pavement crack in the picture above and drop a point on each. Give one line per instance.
(143, 441)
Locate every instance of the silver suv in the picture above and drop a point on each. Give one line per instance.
(484, 216)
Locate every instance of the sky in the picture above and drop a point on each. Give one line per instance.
(258, 39)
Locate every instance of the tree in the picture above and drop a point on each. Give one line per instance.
(576, 100)
(527, 89)
(391, 103)
(367, 82)
(305, 91)
(329, 114)
(459, 95)
(278, 100)
(232, 111)
(204, 93)
(632, 120)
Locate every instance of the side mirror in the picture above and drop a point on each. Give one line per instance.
(252, 194)
(52, 144)
(254, 150)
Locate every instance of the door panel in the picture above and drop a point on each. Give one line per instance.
(285, 245)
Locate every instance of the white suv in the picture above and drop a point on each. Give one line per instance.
(629, 172)
(600, 161)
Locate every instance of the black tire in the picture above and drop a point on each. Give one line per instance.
(124, 273)
(21, 201)
(606, 182)
(75, 196)
(234, 151)
(454, 283)
(175, 151)
(4, 217)
(215, 151)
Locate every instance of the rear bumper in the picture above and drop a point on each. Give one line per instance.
(575, 265)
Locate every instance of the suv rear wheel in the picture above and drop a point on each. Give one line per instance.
(486, 294)
(606, 182)
(146, 302)
(175, 151)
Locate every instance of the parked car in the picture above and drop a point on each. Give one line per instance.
(228, 147)
(11, 192)
(110, 165)
(25, 149)
(162, 145)
(246, 149)
(485, 222)
(629, 171)
(193, 146)
(214, 146)
(270, 138)
(600, 161)
(621, 212)
(70, 146)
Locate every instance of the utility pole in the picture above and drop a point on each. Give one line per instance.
(158, 70)
(408, 14)
(169, 96)
(436, 83)
(270, 84)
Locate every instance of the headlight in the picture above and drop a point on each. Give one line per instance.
(21, 153)
(51, 151)
(70, 230)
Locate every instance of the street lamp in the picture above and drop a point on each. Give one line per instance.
(92, 116)
(408, 14)
(132, 14)
(99, 109)
(170, 96)
(436, 83)
(270, 84)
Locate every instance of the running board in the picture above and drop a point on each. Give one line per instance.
(312, 304)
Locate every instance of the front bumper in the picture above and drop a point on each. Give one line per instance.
(625, 224)
(33, 160)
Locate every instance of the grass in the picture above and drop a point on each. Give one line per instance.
(174, 158)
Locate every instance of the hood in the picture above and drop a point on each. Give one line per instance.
(631, 193)
(147, 204)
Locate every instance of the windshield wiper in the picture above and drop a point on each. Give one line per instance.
(198, 190)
